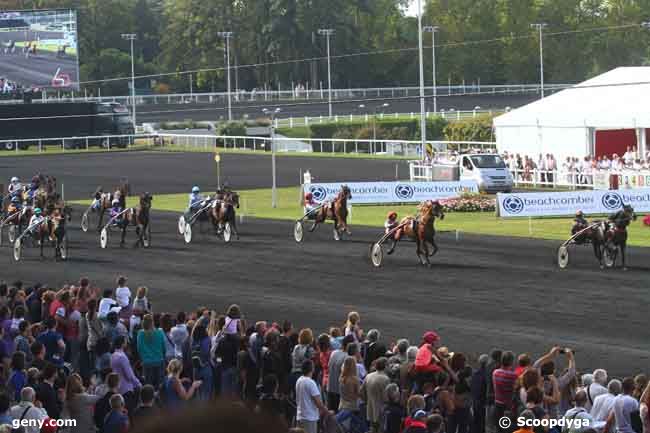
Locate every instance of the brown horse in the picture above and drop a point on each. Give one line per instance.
(140, 218)
(336, 211)
(103, 200)
(223, 211)
(422, 230)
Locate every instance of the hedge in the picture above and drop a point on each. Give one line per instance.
(386, 129)
(479, 129)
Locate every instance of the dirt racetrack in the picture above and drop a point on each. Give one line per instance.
(482, 292)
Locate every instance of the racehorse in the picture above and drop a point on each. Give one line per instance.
(337, 211)
(140, 218)
(56, 227)
(224, 211)
(612, 235)
(422, 230)
(104, 200)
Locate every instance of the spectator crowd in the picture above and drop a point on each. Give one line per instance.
(108, 360)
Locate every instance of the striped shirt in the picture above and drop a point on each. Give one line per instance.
(504, 384)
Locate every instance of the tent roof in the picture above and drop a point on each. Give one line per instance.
(616, 99)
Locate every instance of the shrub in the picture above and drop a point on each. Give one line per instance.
(232, 129)
(469, 202)
(478, 129)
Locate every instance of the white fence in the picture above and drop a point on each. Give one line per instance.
(451, 115)
(92, 94)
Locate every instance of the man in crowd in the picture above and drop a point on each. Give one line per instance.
(27, 411)
(624, 406)
(503, 380)
(309, 405)
(372, 392)
(578, 412)
(604, 403)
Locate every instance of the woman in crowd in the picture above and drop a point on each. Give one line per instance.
(152, 351)
(350, 388)
(324, 353)
(18, 377)
(201, 345)
(301, 352)
(644, 409)
(461, 418)
(173, 392)
(352, 326)
(94, 331)
(79, 405)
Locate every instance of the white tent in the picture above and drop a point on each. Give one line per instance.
(565, 123)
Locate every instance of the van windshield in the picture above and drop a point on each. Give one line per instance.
(488, 161)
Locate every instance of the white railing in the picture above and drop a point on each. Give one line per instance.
(108, 142)
(561, 178)
(450, 115)
(92, 94)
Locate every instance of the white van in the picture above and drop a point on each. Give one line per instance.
(488, 170)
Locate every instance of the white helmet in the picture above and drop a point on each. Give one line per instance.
(15, 180)
(115, 202)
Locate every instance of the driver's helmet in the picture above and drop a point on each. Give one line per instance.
(579, 214)
(628, 208)
(38, 211)
(391, 215)
(309, 196)
(196, 189)
(15, 180)
(115, 203)
(344, 186)
(15, 199)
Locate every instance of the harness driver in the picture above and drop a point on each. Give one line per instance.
(391, 223)
(310, 205)
(197, 201)
(580, 223)
(116, 210)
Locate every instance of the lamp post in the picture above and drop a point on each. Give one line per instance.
(132, 37)
(274, 191)
(540, 28)
(433, 30)
(227, 36)
(423, 122)
(328, 33)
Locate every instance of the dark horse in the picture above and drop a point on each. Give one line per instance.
(57, 220)
(612, 235)
(103, 200)
(223, 211)
(422, 230)
(336, 211)
(140, 218)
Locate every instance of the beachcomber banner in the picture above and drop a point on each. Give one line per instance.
(567, 203)
(392, 192)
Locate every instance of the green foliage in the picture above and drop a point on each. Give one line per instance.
(232, 129)
(479, 129)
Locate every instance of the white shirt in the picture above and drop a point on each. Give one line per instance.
(105, 305)
(123, 296)
(628, 157)
(624, 405)
(594, 390)
(307, 410)
(34, 413)
(602, 406)
(575, 414)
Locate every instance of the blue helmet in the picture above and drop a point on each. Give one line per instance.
(196, 189)
(15, 199)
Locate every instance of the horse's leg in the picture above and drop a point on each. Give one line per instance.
(623, 248)
(233, 224)
(122, 241)
(393, 245)
(418, 250)
(138, 236)
(435, 247)
(598, 252)
(425, 247)
(42, 242)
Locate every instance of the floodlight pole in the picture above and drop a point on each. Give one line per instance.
(132, 37)
(227, 36)
(423, 122)
(540, 28)
(328, 33)
(433, 30)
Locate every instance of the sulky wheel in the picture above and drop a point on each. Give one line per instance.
(181, 225)
(63, 248)
(376, 255)
(563, 257)
(12, 233)
(298, 231)
(103, 238)
(227, 232)
(84, 222)
(609, 256)
(337, 235)
(187, 234)
(18, 249)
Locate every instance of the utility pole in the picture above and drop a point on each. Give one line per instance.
(540, 27)
(423, 121)
(132, 37)
(227, 36)
(433, 30)
(274, 189)
(328, 33)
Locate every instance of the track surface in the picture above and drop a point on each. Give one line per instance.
(481, 293)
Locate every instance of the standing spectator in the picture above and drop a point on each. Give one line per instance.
(352, 327)
(94, 330)
(393, 410)
(166, 324)
(27, 411)
(201, 360)
(79, 405)
(373, 393)
(644, 409)
(116, 421)
(146, 410)
(106, 304)
(53, 342)
(255, 344)
(129, 383)
(103, 405)
(18, 378)
(308, 401)
(152, 351)
(372, 348)
(624, 406)
(5, 410)
(479, 394)
(604, 403)
(578, 412)
(640, 384)
(527, 417)
(503, 381)
(350, 387)
(301, 352)
(596, 388)
(173, 392)
(324, 354)
(226, 349)
(179, 335)
(460, 419)
(123, 296)
(334, 367)
(535, 403)
(141, 303)
(47, 393)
